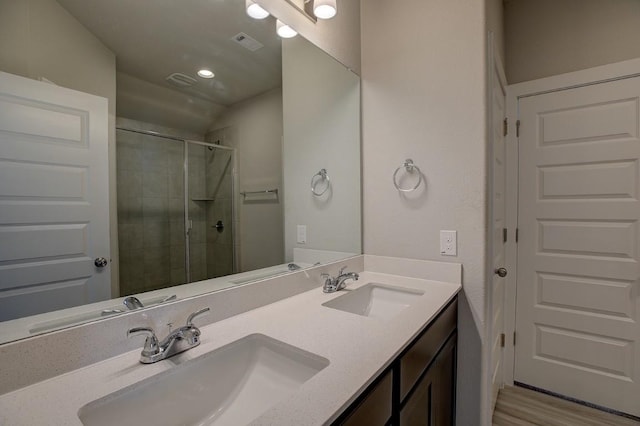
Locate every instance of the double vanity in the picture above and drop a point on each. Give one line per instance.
(381, 350)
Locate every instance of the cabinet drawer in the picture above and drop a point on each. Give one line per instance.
(375, 409)
(418, 357)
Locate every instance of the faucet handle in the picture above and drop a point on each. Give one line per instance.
(342, 270)
(151, 345)
(132, 303)
(196, 314)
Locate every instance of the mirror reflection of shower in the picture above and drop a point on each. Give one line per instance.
(175, 209)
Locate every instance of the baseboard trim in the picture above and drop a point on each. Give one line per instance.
(577, 401)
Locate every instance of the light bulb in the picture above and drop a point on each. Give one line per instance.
(255, 11)
(284, 30)
(204, 73)
(325, 9)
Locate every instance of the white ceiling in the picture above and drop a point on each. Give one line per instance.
(155, 38)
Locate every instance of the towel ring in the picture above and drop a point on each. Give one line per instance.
(410, 168)
(323, 176)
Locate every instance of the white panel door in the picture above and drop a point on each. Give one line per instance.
(498, 229)
(54, 215)
(577, 292)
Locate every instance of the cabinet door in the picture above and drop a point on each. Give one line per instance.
(375, 409)
(432, 401)
(419, 408)
(444, 398)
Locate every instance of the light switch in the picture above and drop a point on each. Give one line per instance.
(302, 234)
(449, 243)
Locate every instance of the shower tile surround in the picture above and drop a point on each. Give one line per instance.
(150, 187)
(43, 357)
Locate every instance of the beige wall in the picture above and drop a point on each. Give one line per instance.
(39, 39)
(423, 94)
(550, 37)
(254, 128)
(340, 36)
(321, 101)
(495, 24)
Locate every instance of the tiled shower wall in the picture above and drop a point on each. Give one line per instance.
(150, 181)
(150, 208)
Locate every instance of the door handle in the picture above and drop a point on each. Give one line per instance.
(100, 262)
(501, 272)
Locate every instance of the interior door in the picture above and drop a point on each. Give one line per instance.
(54, 215)
(499, 235)
(578, 209)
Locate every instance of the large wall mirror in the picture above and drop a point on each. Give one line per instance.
(213, 182)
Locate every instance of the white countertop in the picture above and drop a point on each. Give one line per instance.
(357, 347)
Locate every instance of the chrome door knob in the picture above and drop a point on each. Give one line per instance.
(100, 262)
(501, 272)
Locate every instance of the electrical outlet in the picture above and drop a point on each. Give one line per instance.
(302, 234)
(449, 243)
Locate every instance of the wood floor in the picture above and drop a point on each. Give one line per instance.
(523, 407)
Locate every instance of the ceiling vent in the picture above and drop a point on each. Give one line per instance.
(247, 42)
(181, 80)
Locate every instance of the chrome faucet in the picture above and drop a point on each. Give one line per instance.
(179, 340)
(332, 285)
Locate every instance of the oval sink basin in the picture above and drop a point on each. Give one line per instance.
(232, 385)
(375, 300)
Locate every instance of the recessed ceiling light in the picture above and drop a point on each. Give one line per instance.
(284, 30)
(255, 11)
(206, 73)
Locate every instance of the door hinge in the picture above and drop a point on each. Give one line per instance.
(502, 338)
(517, 234)
(514, 338)
(505, 127)
(518, 128)
(504, 235)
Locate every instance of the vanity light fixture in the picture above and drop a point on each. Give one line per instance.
(325, 9)
(205, 73)
(255, 11)
(284, 30)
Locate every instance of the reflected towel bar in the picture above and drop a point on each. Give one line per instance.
(266, 191)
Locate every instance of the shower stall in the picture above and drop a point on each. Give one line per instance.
(175, 210)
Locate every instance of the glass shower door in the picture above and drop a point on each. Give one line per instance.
(150, 191)
(209, 216)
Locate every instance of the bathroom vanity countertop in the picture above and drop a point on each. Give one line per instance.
(358, 349)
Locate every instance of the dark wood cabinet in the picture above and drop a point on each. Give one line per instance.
(418, 388)
(432, 400)
(419, 407)
(375, 409)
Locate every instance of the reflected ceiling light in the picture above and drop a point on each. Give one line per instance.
(325, 9)
(206, 73)
(284, 30)
(255, 11)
